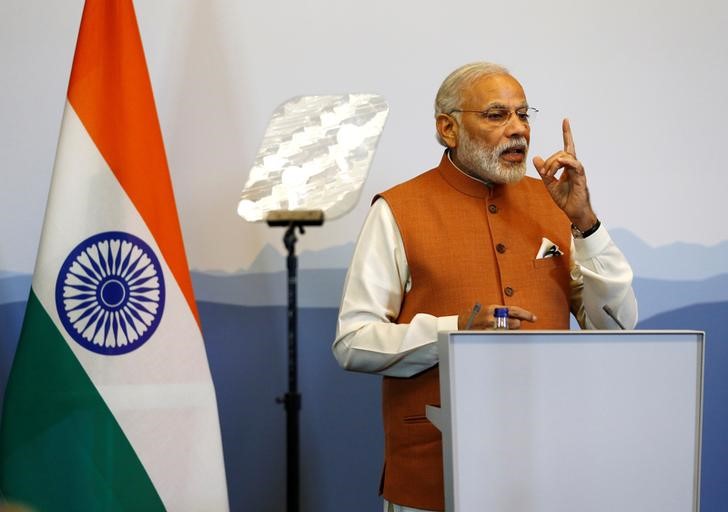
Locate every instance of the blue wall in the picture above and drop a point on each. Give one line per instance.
(341, 435)
(709, 317)
(341, 432)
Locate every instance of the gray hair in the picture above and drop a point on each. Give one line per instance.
(449, 95)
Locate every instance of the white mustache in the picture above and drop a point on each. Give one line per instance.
(514, 143)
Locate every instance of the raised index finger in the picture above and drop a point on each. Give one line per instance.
(569, 146)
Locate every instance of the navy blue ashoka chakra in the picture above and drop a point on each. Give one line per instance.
(110, 293)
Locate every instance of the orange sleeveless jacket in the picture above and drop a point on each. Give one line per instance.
(465, 242)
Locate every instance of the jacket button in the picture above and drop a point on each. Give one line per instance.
(500, 248)
(508, 291)
(492, 208)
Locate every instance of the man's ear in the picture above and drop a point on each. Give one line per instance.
(447, 128)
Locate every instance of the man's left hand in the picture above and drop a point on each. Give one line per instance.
(569, 191)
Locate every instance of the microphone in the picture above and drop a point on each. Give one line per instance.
(611, 314)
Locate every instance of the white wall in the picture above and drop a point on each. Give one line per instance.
(643, 82)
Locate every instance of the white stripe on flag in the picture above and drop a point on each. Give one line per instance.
(180, 449)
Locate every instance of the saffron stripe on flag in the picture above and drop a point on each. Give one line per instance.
(111, 93)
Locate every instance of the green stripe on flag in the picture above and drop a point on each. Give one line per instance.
(60, 446)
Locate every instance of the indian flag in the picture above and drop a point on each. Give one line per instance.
(110, 404)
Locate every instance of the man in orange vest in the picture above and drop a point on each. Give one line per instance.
(472, 230)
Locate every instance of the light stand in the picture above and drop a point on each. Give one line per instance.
(292, 399)
(314, 159)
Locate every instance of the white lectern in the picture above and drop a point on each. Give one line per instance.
(554, 421)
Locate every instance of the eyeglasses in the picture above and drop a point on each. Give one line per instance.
(498, 116)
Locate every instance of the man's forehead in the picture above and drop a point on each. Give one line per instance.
(494, 90)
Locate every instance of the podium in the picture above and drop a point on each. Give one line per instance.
(554, 421)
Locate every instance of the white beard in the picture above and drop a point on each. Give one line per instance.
(483, 162)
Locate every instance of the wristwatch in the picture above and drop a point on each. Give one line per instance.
(577, 233)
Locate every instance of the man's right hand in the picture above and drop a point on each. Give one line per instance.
(485, 319)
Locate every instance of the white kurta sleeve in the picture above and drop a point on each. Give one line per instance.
(601, 276)
(367, 339)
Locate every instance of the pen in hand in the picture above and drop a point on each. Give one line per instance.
(473, 314)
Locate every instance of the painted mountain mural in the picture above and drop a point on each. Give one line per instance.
(679, 286)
